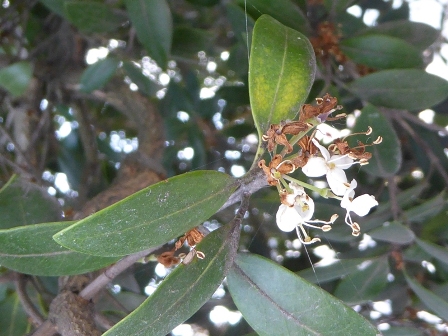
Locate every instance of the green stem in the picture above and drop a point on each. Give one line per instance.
(323, 192)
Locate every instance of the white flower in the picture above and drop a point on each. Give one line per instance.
(299, 213)
(360, 205)
(331, 166)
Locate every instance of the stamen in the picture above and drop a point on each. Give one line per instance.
(378, 140)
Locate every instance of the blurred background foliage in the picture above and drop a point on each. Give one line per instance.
(91, 89)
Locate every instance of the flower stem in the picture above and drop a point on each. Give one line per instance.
(323, 192)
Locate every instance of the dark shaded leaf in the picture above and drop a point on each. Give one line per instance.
(386, 156)
(436, 251)
(32, 250)
(242, 24)
(409, 89)
(154, 27)
(185, 290)
(93, 17)
(338, 6)
(393, 232)
(16, 77)
(275, 301)
(283, 11)
(402, 331)
(13, 318)
(381, 52)
(98, 74)
(418, 34)
(331, 272)
(365, 284)
(432, 301)
(187, 42)
(426, 210)
(56, 6)
(23, 203)
(281, 72)
(150, 217)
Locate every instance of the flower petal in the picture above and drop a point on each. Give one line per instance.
(337, 180)
(287, 218)
(315, 167)
(304, 207)
(361, 205)
(325, 153)
(341, 161)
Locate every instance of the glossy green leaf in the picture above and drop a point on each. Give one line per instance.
(409, 89)
(150, 217)
(418, 34)
(284, 11)
(432, 301)
(386, 156)
(365, 284)
(185, 290)
(393, 232)
(426, 210)
(187, 42)
(32, 250)
(98, 74)
(16, 77)
(274, 301)
(93, 17)
(322, 274)
(281, 72)
(381, 52)
(138, 78)
(13, 318)
(154, 27)
(436, 251)
(23, 203)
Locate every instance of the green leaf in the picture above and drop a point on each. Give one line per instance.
(32, 250)
(13, 319)
(432, 301)
(275, 301)
(381, 52)
(204, 2)
(154, 27)
(16, 77)
(426, 210)
(242, 24)
(138, 78)
(331, 272)
(409, 89)
(187, 42)
(393, 232)
(283, 11)
(151, 216)
(56, 6)
(98, 74)
(281, 72)
(93, 17)
(418, 34)
(386, 156)
(337, 6)
(185, 290)
(438, 252)
(401, 331)
(365, 284)
(23, 203)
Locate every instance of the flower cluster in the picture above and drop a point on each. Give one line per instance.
(297, 208)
